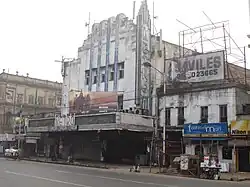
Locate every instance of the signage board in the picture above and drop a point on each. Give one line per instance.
(206, 130)
(92, 102)
(64, 123)
(199, 68)
(240, 128)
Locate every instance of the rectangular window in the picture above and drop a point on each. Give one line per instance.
(181, 118)
(40, 100)
(204, 114)
(95, 79)
(103, 78)
(111, 69)
(246, 109)
(94, 76)
(121, 70)
(87, 74)
(31, 99)
(51, 101)
(223, 113)
(58, 101)
(19, 98)
(168, 116)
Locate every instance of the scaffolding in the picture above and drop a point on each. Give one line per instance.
(213, 37)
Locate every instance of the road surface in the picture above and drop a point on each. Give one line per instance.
(31, 174)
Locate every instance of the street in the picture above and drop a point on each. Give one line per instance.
(30, 174)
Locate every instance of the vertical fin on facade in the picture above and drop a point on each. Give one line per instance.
(91, 59)
(99, 58)
(107, 54)
(143, 54)
(116, 58)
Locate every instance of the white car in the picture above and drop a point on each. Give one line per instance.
(11, 153)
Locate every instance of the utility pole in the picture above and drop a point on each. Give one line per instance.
(20, 128)
(164, 109)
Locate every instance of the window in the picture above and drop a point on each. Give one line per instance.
(181, 118)
(51, 101)
(204, 114)
(94, 76)
(121, 70)
(223, 113)
(246, 109)
(58, 101)
(227, 153)
(19, 98)
(103, 78)
(31, 99)
(111, 77)
(168, 116)
(40, 100)
(87, 76)
(95, 79)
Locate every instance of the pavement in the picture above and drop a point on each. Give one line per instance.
(30, 174)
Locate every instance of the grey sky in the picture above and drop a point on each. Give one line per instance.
(34, 33)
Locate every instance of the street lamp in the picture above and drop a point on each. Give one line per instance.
(149, 65)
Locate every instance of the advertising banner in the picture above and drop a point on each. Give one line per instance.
(206, 130)
(92, 102)
(199, 68)
(240, 128)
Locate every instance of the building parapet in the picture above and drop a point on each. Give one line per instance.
(5, 77)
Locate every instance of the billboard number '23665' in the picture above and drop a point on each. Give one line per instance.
(202, 67)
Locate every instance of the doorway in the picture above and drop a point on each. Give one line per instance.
(244, 159)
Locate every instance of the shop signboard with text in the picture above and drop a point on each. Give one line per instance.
(240, 128)
(205, 130)
(199, 68)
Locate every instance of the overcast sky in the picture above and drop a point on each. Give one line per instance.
(35, 33)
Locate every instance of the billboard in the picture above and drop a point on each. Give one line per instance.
(92, 102)
(206, 130)
(199, 68)
(240, 128)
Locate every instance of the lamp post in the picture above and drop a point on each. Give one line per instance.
(147, 64)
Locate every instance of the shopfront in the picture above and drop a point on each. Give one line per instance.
(206, 138)
(240, 141)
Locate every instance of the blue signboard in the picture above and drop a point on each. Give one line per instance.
(206, 130)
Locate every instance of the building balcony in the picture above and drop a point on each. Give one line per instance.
(100, 121)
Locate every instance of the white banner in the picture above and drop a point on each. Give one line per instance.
(199, 68)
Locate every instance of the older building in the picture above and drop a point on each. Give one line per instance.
(27, 95)
(204, 100)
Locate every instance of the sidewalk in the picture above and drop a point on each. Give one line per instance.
(144, 169)
(240, 176)
(63, 162)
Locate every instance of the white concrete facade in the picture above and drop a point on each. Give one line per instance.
(108, 60)
(192, 102)
(234, 97)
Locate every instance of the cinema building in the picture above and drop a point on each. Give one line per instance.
(205, 103)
